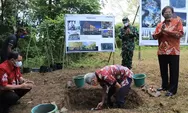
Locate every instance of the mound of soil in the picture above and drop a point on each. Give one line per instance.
(87, 98)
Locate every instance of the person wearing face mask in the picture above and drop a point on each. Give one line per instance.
(115, 80)
(11, 42)
(168, 34)
(127, 34)
(12, 85)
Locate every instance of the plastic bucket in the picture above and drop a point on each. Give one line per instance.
(45, 108)
(79, 81)
(139, 79)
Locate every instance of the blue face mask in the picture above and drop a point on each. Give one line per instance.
(22, 36)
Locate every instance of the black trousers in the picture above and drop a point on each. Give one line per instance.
(121, 94)
(9, 98)
(171, 62)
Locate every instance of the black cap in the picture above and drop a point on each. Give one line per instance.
(125, 18)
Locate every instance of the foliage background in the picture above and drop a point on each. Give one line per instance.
(44, 21)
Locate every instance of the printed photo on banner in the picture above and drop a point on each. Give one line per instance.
(151, 13)
(147, 33)
(74, 36)
(73, 25)
(178, 4)
(107, 33)
(73, 30)
(183, 38)
(82, 46)
(106, 46)
(90, 27)
(107, 25)
(89, 33)
(183, 17)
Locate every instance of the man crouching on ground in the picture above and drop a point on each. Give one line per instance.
(12, 85)
(115, 80)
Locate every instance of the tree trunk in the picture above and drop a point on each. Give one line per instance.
(50, 8)
(61, 51)
(2, 11)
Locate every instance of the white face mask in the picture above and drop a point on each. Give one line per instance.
(18, 63)
(126, 24)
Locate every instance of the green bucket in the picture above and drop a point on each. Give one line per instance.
(79, 81)
(45, 108)
(139, 79)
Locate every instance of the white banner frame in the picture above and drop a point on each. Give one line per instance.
(89, 33)
(148, 22)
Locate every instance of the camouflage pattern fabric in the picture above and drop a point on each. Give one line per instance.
(127, 35)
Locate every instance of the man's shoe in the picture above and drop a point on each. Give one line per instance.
(4, 110)
(161, 89)
(169, 94)
(118, 106)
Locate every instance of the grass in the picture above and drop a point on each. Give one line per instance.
(101, 59)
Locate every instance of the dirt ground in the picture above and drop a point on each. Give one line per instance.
(51, 87)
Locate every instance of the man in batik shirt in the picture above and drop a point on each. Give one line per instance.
(168, 34)
(115, 80)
